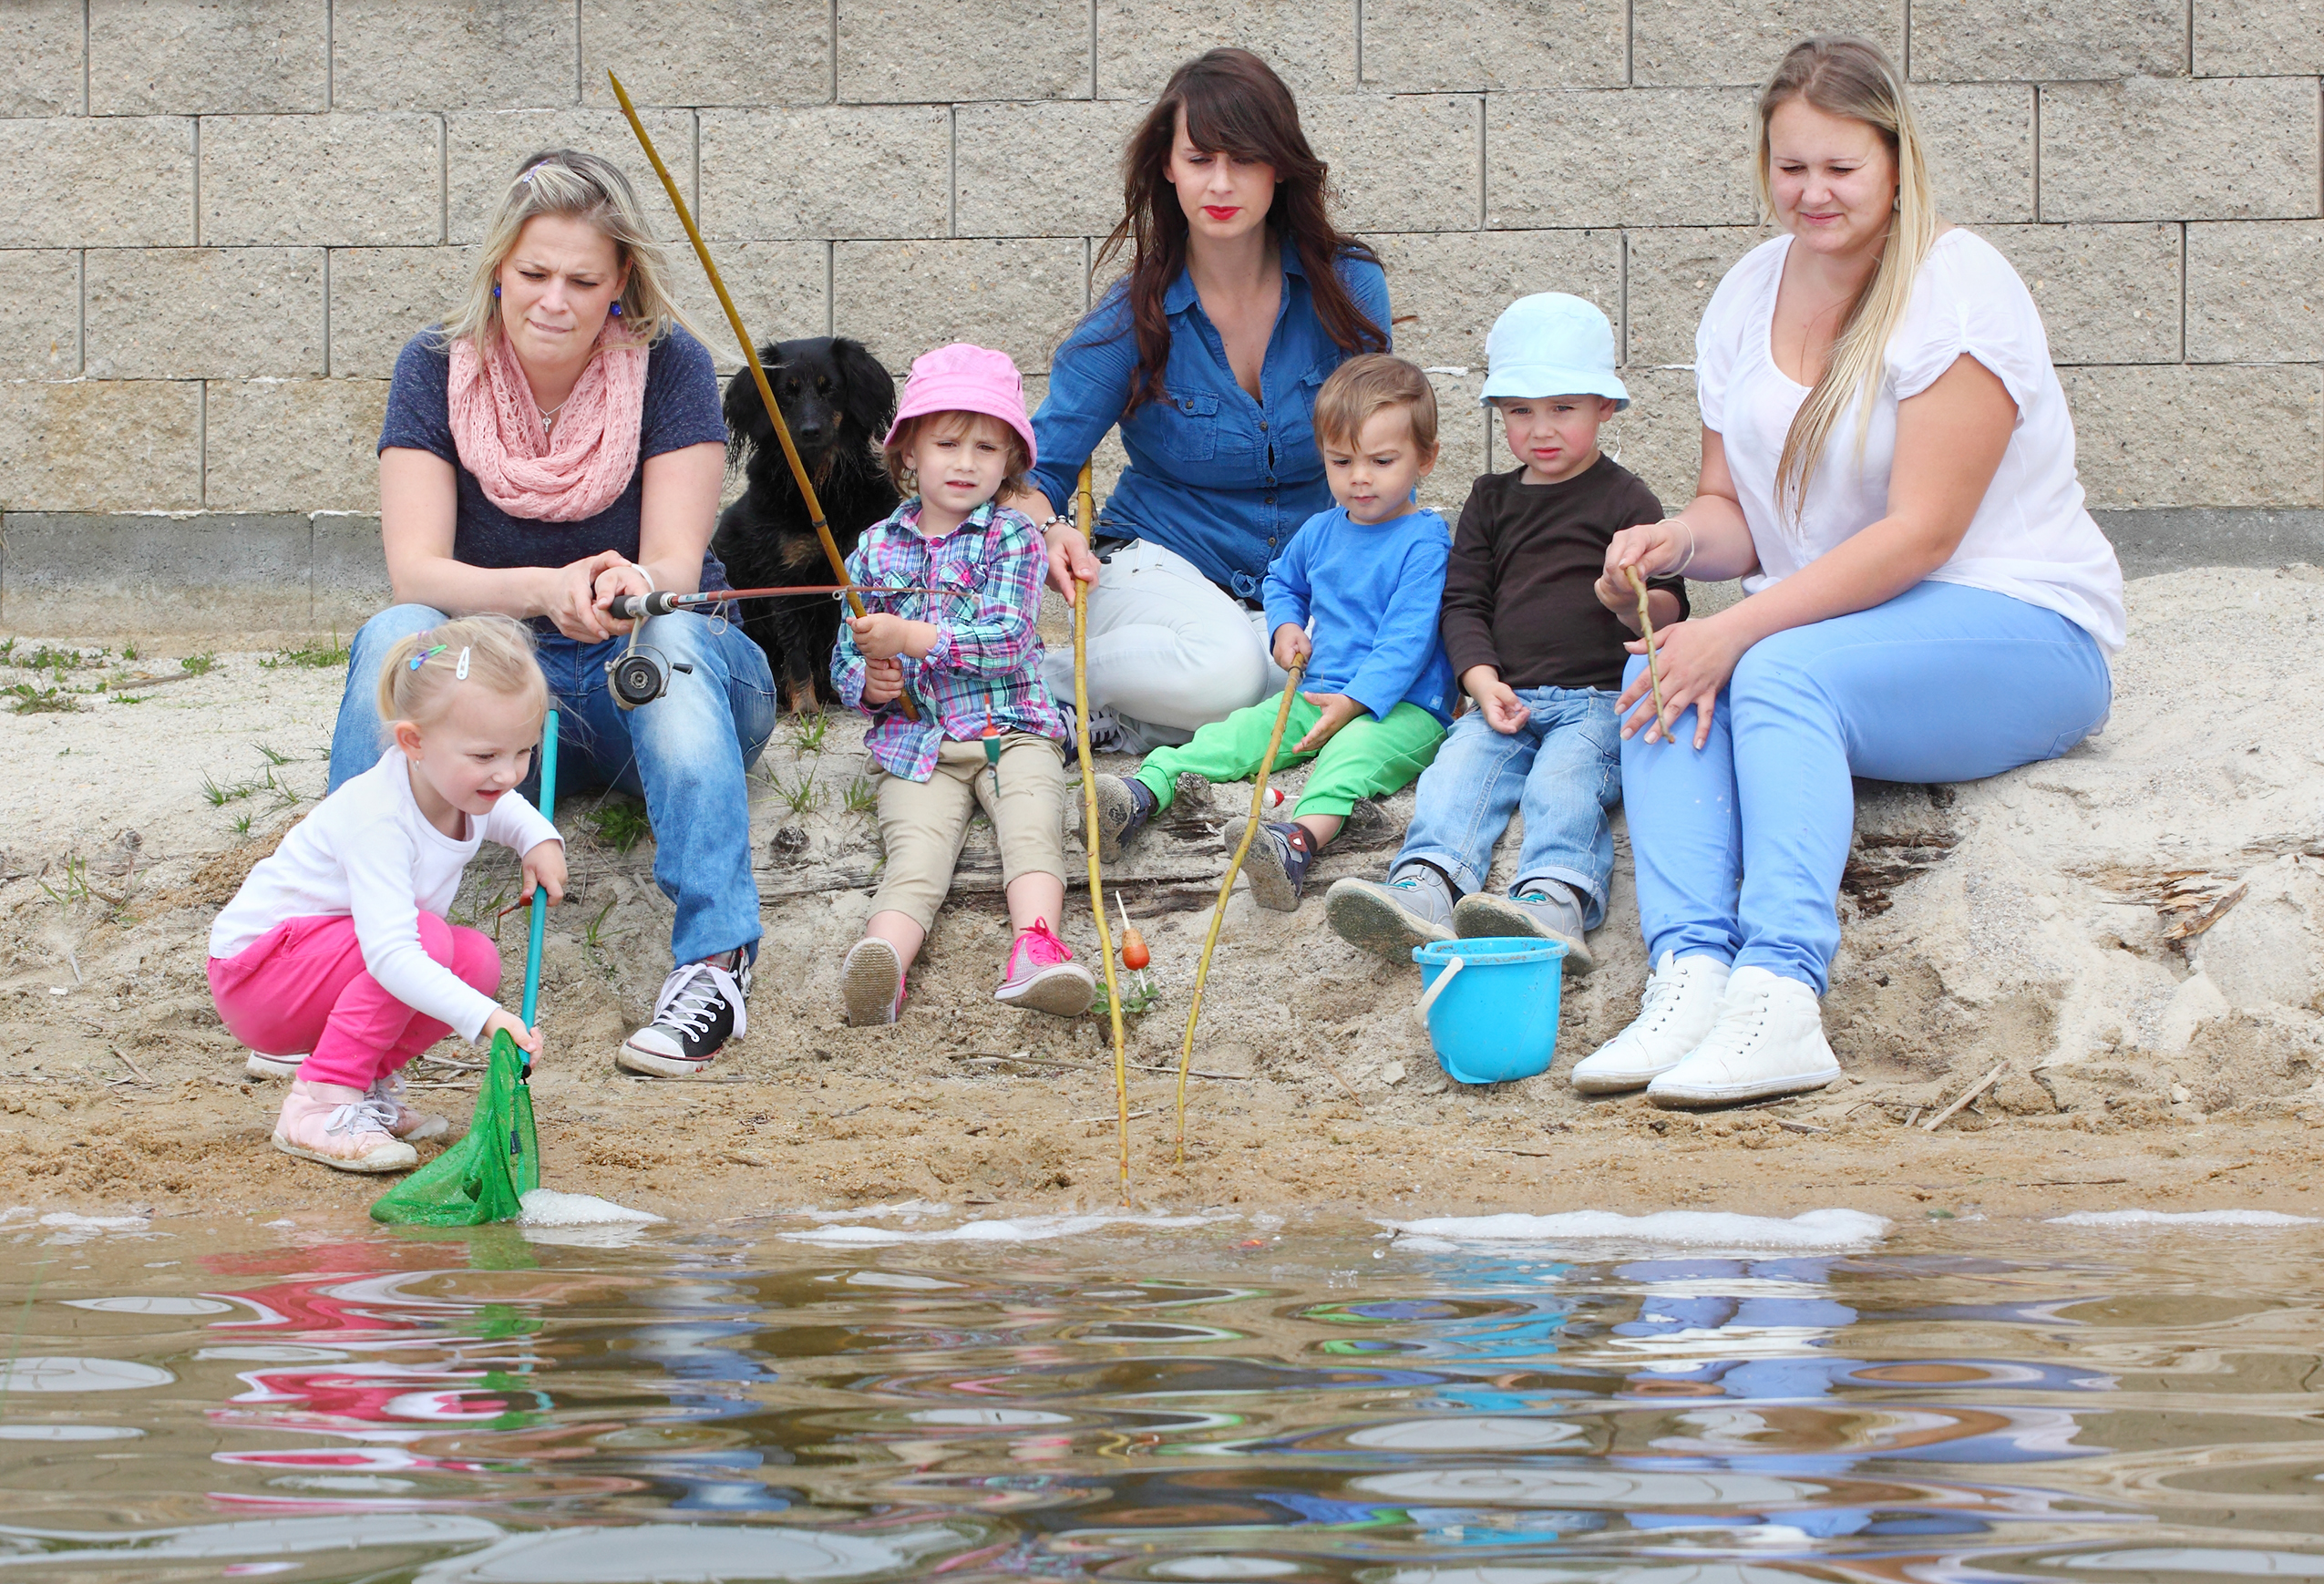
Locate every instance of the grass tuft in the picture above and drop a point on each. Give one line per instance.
(861, 797)
(41, 701)
(315, 655)
(201, 664)
(621, 825)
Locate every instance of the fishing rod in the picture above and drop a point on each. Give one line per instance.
(640, 675)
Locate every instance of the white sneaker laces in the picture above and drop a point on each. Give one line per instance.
(686, 997)
(368, 1115)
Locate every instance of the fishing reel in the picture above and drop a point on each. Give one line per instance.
(639, 675)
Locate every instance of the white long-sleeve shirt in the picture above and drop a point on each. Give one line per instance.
(368, 853)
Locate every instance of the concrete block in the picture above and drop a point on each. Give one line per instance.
(2222, 148)
(2258, 37)
(1311, 43)
(40, 336)
(2190, 435)
(113, 181)
(1464, 442)
(1420, 46)
(453, 55)
(207, 57)
(293, 445)
(1979, 139)
(1672, 273)
(779, 288)
(707, 52)
(2108, 294)
(485, 151)
(1654, 157)
(2171, 538)
(2255, 291)
(199, 572)
(1660, 438)
(2045, 40)
(902, 298)
(922, 51)
(1050, 169)
(1445, 290)
(869, 170)
(43, 39)
(204, 312)
(124, 445)
(382, 297)
(1682, 43)
(323, 181)
(349, 580)
(1407, 162)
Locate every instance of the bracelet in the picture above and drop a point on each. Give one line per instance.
(1057, 520)
(1680, 570)
(646, 572)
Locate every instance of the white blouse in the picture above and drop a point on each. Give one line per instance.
(2031, 539)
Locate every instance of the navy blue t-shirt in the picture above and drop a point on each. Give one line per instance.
(681, 410)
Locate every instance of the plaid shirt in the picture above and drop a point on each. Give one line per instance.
(986, 665)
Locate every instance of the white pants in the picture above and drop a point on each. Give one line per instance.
(1169, 651)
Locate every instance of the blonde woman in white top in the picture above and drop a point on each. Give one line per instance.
(1888, 465)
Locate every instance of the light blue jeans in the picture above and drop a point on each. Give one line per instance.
(1561, 769)
(1740, 847)
(685, 754)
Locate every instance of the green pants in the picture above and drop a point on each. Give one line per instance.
(1364, 759)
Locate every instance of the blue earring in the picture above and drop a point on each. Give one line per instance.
(496, 291)
(617, 310)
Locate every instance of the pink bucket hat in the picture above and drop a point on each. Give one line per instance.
(961, 378)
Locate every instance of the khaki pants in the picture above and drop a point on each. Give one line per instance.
(923, 823)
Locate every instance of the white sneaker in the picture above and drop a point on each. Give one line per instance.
(260, 1066)
(1769, 1040)
(1681, 1003)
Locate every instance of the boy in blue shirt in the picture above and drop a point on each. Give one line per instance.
(1368, 575)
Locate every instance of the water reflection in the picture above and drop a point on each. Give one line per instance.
(485, 1407)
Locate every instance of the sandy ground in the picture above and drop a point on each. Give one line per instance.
(2025, 923)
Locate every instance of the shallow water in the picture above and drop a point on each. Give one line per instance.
(845, 1399)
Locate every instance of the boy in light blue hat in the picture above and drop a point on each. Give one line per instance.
(1537, 641)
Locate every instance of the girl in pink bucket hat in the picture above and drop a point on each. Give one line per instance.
(988, 735)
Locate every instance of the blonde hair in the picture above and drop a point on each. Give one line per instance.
(424, 672)
(567, 181)
(1852, 77)
(898, 451)
(1368, 384)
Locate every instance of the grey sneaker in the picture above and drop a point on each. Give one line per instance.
(1545, 910)
(1276, 865)
(1413, 908)
(1124, 805)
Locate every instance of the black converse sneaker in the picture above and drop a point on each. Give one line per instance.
(700, 1007)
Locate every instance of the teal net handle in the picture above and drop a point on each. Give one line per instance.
(540, 893)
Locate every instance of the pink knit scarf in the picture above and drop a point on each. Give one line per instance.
(577, 471)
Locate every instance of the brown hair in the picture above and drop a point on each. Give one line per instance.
(1234, 104)
(422, 671)
(1363, 386)
(898, 452)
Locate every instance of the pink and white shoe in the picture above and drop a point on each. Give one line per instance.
(872, 984)
(348, 1135)
(1042, 975)
(411, 1126)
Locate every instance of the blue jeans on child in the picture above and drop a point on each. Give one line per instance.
(686, 753)
(1561, 769)
(1740, 847)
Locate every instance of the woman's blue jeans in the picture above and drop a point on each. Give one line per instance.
(1740, 847)
(685, 754)
(1560, 769)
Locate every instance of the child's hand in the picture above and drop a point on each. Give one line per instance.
(544, 865)
(1291, 645)
(502, 1018)
(1338, 709)
(1652, 547)
(883, 681)
(1504, 711)
(883, 636)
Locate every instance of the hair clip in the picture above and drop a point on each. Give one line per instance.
(425, 655)
(460, 673)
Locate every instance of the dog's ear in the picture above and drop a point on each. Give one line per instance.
(745, 415)
(870, 390)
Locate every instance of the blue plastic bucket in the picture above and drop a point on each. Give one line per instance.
(1491, 1005)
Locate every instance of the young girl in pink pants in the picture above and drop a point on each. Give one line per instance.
(336, 944)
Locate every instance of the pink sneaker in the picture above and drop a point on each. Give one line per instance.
(411, 1126)
(1042, 976)
(351, 1135)
(872, 984)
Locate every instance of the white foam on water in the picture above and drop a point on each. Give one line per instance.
(2180, 1218)
(1020, 1229)
(1827, 1228)
(548, 1207)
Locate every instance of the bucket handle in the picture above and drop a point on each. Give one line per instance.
(1453, 965)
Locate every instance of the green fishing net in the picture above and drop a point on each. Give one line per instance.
(484, 1177)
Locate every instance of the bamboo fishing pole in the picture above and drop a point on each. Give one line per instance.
(1234, 868)
(1654, 660)
(758, 374)
(1082, 504)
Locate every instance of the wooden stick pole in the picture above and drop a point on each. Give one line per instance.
(1226, 886)
(1082, 513)
(757, 374)
(1654, 660)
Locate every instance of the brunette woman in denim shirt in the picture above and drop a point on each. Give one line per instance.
(1241, 299)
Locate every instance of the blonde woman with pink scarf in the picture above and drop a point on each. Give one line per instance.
(554, 444)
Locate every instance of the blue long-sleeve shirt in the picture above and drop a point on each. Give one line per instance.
(1373, 592)
(1221, 478)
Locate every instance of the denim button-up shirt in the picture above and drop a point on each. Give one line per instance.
(1221, 478)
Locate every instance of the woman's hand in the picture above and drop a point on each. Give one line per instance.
(1655, 549)
(1698, 658)
(569, 597)
(1069, 558)
(610, 583)
(1291, 645)
(544, 865)
(1504, 712)
(1338, 709)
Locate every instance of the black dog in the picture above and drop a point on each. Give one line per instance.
(839, 402)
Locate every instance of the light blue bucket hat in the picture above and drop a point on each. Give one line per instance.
(1552, 344)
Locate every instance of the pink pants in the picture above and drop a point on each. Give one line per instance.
(303, 986)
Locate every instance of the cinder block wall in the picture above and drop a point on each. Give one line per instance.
(229, 214)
